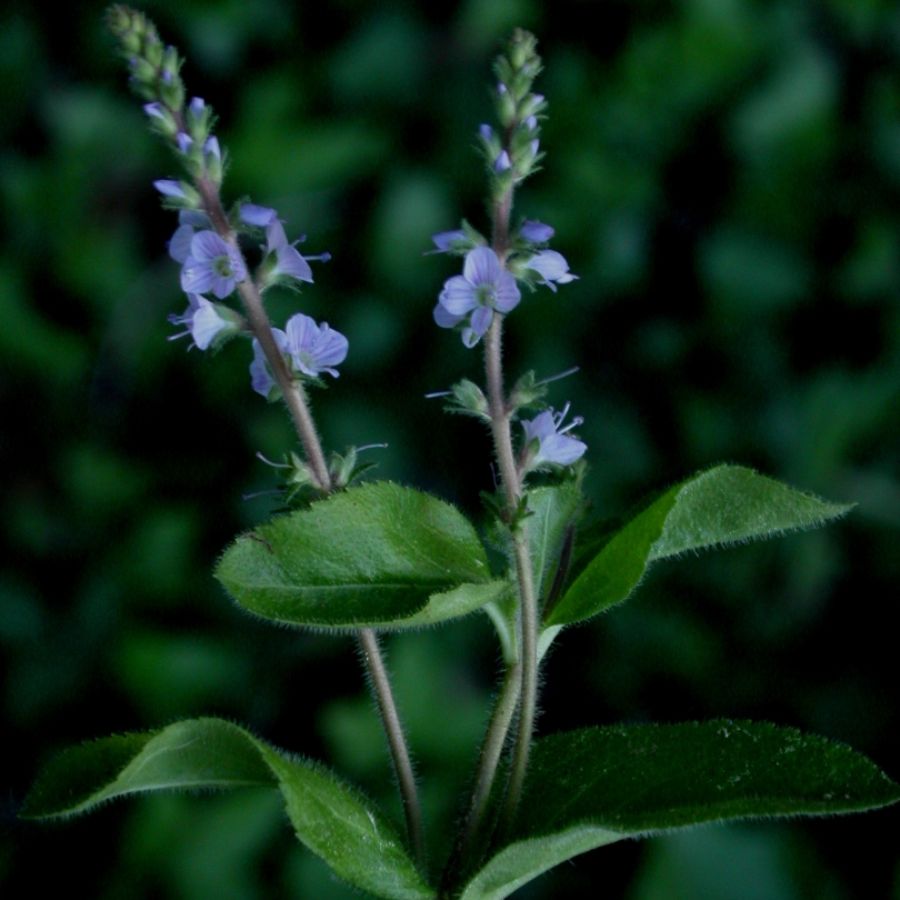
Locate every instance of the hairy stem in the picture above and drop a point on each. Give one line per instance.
(381, 687)
(298, 407)
(491, 751)
(500, 414)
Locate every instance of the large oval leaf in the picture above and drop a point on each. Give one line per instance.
(724, 505)
(329, 817)
(378, 555)
(595, 786)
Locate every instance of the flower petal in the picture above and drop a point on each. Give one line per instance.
(444, 318)
(459, 296)
(292, 264)
(260, 216)
(482, 266)
(481, 320)
(507, 295)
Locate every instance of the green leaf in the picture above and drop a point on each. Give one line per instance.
(553, 509)
(595, 786)
(329, 817)
(724, 505)
(376, 555)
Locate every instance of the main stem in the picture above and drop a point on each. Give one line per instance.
(512, 486)
(528, 615)
(298, 407)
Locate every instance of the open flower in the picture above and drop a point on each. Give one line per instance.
(309, 349)
(288, 261)
(314, 348)
(552, 267)
(213, 265)
(548, 443)
(207, 323)
(484, 286)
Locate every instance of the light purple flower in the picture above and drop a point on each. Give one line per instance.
(536, 232)
(155, 110)
(289, 261)
(444, 240)
(261, 379)
(314, 348)
(204, 322)
(180, 243)
(213, 265)
(554, 445)
(259, 216)
(552, 267)
(170, 188)
(483, 287)
(502, 163)
(184, 141)
(486, 132)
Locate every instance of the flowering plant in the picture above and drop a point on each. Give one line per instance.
(369, 557)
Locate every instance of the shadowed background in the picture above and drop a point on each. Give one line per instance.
(724, 176)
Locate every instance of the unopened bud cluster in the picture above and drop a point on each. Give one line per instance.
(513, 151)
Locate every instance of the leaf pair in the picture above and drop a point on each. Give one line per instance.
(585, 789)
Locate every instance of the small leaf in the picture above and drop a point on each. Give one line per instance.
(376, 555)
(329, 817)
(595, 786)
(552, 509)
(724, 505)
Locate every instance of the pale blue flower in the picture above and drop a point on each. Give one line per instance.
(444, 240)
(548, 443)
(205, 322)
(552, 267)
(188, 221)
(502, 163)
(212, 266)
(258, 216)
(170, 188)
(261, 379)
(155, 110)
(484, 286)
(289, 261)
(536, 232)
(313, 348)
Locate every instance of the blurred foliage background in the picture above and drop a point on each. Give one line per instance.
(724, 175)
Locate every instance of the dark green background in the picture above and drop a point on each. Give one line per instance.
(724, 175)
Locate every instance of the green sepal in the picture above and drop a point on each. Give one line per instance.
(596, 786)
(330, 817)
(724, 505)
(467, 399)
(376, 555)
